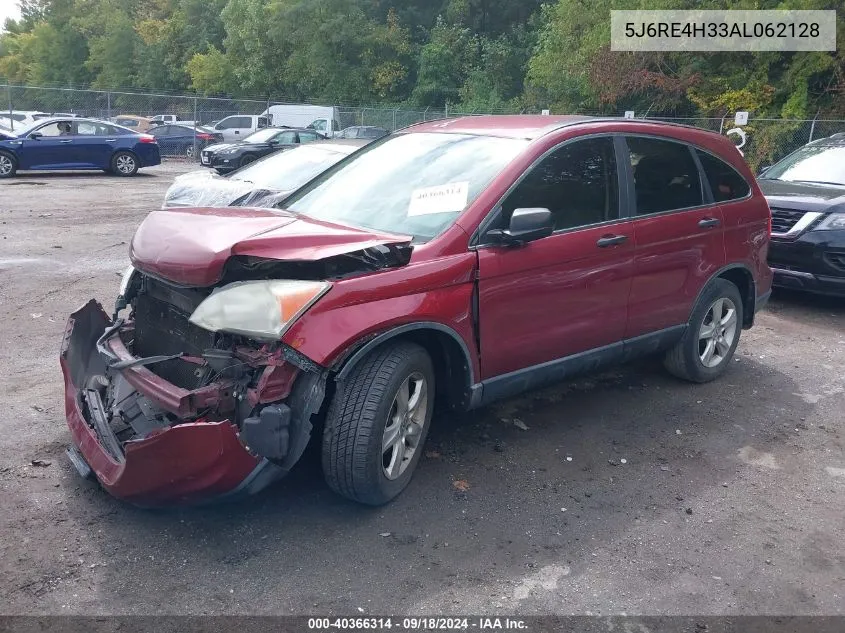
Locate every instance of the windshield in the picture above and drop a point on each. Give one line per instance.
(262, 136)
(288, 170)
(411, 184)
(822, 164)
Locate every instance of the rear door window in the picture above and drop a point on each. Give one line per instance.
(229, 123)
(666, 177)
(89, 128)
(725, 182)
(307, 137)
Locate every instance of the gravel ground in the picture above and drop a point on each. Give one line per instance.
(625, 491)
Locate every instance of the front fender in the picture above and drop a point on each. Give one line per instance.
(355, 311)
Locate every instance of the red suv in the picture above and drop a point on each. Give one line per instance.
(445, 266)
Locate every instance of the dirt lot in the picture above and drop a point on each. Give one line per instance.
(628, 492)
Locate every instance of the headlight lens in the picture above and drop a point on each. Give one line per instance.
(258, 309)
(126, 280)
(832, 222)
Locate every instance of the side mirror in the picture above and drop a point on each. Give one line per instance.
(763, 170)
(526, 225)
(35, 136)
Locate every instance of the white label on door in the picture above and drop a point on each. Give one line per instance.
(449, 198)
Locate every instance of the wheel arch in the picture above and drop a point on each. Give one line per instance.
(451, 357)
(740, 276)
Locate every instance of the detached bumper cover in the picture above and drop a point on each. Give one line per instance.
(188, 462)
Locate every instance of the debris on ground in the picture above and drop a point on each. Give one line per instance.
(520, 424)
(384, 534)
(688, 510)
(461, 485)
(432, 454)
(40, 463)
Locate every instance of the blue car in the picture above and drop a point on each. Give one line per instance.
(183, 140)
(72, 143)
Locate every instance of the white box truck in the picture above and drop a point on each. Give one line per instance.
(323, 119)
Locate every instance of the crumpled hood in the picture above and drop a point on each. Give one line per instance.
(205, 189)
(190, 246)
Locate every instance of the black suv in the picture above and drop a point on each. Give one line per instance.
(806, 192)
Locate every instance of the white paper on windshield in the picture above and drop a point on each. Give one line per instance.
(440, 199)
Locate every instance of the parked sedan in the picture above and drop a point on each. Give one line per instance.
(133, 122)
(183, 140)
(363, 131)
(806, 193)
(262, 183)
(226, 157)
(65, 143)
(442, 268)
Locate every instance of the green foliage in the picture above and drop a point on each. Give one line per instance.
(474, 55)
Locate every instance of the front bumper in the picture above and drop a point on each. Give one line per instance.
(220, 162)
(814, 262)
(190, 461)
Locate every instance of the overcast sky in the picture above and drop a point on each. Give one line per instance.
(8, 9)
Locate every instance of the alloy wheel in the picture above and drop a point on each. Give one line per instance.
(5, 165)
(717, 332)
(405, 424)
(125, 164)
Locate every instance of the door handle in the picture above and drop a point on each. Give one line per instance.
(611, 240)
(709, 223)
(65, 142)
(111, 140)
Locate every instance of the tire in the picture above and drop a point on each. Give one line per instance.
(704, 353)
(124, 164)
(189, 152)
(365, 407)
(246, 160)
(8, 165)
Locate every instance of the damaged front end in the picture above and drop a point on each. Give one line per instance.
(165, 412)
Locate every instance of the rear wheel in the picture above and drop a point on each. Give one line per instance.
(8, 165)
(705, 351)
(377, 423)
(124, 164)
(190, 152)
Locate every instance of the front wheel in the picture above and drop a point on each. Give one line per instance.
(377, 423)
(706, 349)
(124, 164)
(8, 165)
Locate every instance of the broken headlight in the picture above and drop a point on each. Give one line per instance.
(258, 309)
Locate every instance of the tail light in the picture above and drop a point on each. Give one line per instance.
(147, 138)
(204, 136)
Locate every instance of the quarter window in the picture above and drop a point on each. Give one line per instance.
(577, 183)
(665, 175)
(725, 183)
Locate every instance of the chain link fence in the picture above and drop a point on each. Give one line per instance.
(766, 140)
